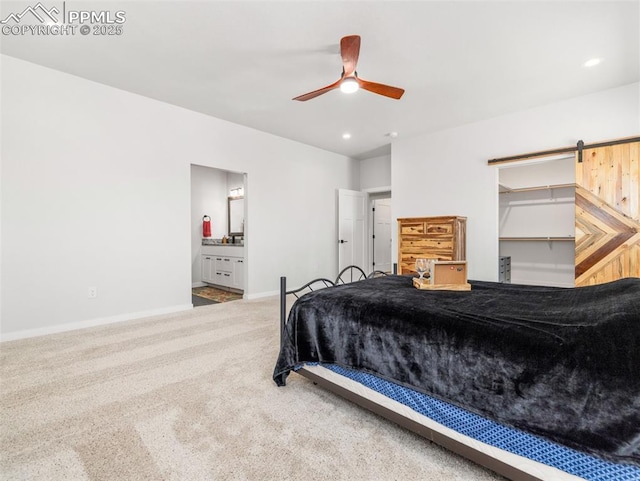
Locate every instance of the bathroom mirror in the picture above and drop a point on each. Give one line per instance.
(236, 215)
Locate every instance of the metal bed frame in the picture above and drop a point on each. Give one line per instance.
(353, 274)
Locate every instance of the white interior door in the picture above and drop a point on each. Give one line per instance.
(352, 244)
(382, 235)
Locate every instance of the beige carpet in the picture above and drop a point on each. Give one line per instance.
(190, 397)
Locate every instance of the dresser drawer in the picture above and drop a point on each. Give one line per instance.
(439, 229)
(407, 268)
(410, 228)
(440, 255)
(419, 245)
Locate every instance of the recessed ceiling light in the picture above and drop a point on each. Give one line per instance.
(393, 135)
(346, 135)
(592, 62)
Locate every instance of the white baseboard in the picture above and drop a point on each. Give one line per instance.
(198, 284)
(72, 326)
(262, 294)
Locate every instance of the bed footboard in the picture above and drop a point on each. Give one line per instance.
(313, 285)
(346, 275)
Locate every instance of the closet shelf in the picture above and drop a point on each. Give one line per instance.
(538, 238)
(507, 190)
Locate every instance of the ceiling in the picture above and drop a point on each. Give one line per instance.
(243, 61)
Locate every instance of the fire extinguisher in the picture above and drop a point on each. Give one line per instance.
(206, 226)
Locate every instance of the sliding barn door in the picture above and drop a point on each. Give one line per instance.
(607, 214)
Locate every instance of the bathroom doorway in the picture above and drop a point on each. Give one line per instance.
(213, 192)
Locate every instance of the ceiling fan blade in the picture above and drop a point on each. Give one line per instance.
(315, 93)
(350, 50)
(381, 89)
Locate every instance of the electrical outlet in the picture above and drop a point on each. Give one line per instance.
(92, 292)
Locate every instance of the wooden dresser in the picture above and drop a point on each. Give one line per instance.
(442, 238)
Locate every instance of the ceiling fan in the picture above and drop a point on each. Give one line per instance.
(349, 81)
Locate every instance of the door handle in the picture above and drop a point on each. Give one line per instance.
(342, 241)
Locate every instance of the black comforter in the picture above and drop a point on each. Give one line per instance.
(560, 363)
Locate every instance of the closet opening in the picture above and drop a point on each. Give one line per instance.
(537, 222)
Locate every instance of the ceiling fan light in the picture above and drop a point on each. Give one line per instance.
(349, 85)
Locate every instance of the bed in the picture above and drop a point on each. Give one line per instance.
(535, 383)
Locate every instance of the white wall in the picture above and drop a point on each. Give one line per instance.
(96, 192)
(235, 180)
(446, 173)
(375, 173)
(559, 170)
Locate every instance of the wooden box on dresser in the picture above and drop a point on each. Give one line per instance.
(442, 238)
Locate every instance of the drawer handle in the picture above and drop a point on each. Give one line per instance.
(227, 275)
(226, 260)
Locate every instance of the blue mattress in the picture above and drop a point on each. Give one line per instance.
(494, 434)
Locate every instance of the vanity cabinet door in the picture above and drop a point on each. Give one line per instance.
(208, 269)
(238, 273)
